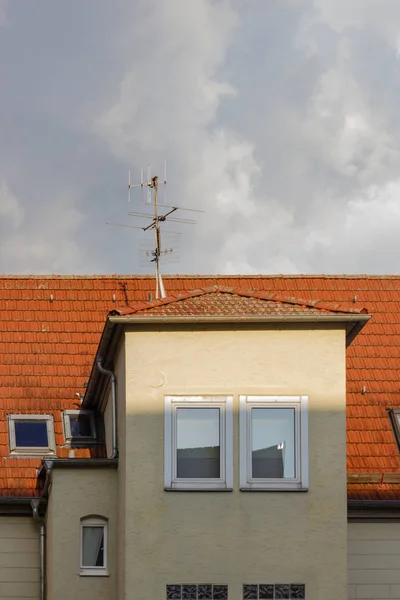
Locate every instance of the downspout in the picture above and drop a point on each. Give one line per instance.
(36, 516)
(113, 380)
(35, 504)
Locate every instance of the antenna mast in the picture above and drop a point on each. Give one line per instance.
(156, 219)
(160, 290)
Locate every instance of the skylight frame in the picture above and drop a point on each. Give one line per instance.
(394, 415)
(83, 440)
(50, 449)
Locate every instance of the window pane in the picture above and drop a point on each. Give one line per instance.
(273, 443)
(81, 425)
(198, 443)
(31, 434)
(93, 547)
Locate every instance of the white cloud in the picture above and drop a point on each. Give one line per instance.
(279, 119)
(347, 134)
(379, 16)
(10, 206)
(173, 89)
(170, 100)
(369, 232)
(30, 248)
(331, 149)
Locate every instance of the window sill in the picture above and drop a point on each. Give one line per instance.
(198, 489)
(273, 489)
(91, 573)
(31, 454)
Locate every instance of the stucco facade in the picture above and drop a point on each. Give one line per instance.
(19, 558)
(373, 561)
(373, 558)
(233, 537)
(76, 494)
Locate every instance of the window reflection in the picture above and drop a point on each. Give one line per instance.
(81, 425)
(198, 443)
(273, 443)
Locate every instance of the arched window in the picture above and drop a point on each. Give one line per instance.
(94, 536)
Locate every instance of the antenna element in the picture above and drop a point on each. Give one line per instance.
(156, 219)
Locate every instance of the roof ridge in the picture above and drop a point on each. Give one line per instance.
(335, 276)
(259, 295)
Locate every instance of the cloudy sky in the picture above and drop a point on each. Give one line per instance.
(278, 118)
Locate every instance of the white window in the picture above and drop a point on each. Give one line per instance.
(198, 443)
(94, 546)
(79, 427)
(273, 443)
(31, 434)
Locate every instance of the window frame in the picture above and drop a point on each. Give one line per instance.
(81, 440)
(298, 483)
(94, 571)
(31, 450)
(394, 415)
(225, 405)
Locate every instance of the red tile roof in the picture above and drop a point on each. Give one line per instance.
(222, 301)
(50, 327)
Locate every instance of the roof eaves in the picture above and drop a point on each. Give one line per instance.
(373, 510)
(18, 506)
(105, 355)
(354, 322)
(81, 463)
(352, 332)
(264, 318)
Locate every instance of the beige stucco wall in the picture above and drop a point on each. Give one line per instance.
(76, 493)
(107, 418)
(120, 372)
(373, 561)
(19, 558)
(235, 537)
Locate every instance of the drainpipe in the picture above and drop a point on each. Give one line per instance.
(113, 380)
(49, 473)
(36, 516)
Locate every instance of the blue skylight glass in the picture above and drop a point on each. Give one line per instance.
(31, 434)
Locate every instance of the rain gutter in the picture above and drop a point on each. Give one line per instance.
(356, 321)
(378, 511)
(79, 463)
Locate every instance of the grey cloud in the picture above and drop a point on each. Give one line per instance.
(10, 208)
(3, 12)
(280, 119)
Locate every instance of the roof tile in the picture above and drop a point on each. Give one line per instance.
(222, 300)
(58, 340)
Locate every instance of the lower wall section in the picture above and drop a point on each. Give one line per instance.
(75, 494)
(19, 559)
(374, 561)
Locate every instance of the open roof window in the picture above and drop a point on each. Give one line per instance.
(79, 427)
(395, 419)
(31, 434)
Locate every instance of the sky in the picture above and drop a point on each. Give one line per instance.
(279, 119)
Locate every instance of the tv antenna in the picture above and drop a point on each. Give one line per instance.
(150, 197)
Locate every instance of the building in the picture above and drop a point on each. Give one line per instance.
(206, 457)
